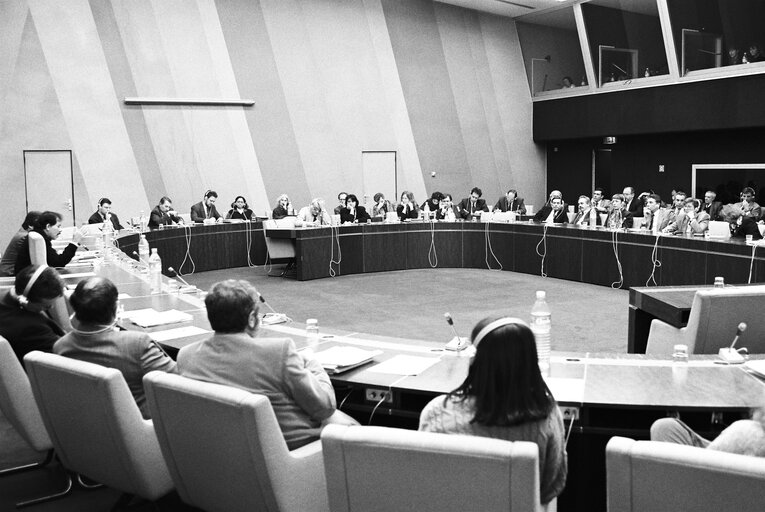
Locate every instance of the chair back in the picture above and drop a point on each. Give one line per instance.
(37, 251)
(235, 457)
(96, 426)
(646, 476)
(279, 248)
(716, 313)
(17, 402)
(390, 469)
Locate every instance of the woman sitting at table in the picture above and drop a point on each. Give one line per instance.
(283, 207)
(382, 206)
(505, 397)
(239, 209)
(691, 220)
(618, 216)
(353, 213)
(407, 209)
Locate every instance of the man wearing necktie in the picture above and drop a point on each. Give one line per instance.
(511, 203)
(205, 209)
(655, 217)
(473, 206)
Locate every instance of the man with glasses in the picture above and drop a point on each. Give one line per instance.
(473, 205)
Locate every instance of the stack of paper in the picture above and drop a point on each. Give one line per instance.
(150, 317)
(339, 359)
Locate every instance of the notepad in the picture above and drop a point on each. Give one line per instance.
(340, 359)
(151, 318)
(177, 333)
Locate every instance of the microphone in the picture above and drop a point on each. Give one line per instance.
(273, 317)
(188, 287)
(456, 344)
(729, 354)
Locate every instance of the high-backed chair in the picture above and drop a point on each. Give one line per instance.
(715, 315)
(280, 249)
(96, 426)
(647, 476)
(390, 469)
(18, 405)
(226, 452)
(38, 256)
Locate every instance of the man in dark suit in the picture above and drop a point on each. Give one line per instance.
(552, 212)
(104, 213)
(511, 203)
(711, 206)
(164, 215)
(634, 205)
(205, 209)
(473, 206)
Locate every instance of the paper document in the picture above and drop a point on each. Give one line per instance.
(78, 274)
(151, 318)
(177, 333)
(404, 365)
(341, 358)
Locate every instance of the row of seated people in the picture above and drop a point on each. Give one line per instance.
(503, 396)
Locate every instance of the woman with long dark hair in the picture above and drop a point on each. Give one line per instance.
(505, 397)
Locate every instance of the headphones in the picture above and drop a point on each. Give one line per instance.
(233, 205)
(23, 299)
(496, 324)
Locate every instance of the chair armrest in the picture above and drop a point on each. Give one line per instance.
(619, 471)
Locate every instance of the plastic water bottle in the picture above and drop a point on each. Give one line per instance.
(155, 271)
(541, 326)
(143, 221)
(593, 217)
(312, 333)
(143, 251)
(107, 233)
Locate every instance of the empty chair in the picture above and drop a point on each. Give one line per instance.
(715, 315)
(648, 476)
(280, 249)
(95, 425)
(234, 458)
(18, 405)
(390, 469)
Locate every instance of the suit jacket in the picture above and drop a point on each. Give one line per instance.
(635, 207)
(658, 221)
(53, 258)
(603, 206)
(411, 213)
(97, 219)
(465, 207)
(517, 205)
(198, 212)
(133, 353)
(583, 218)
(752, 209)
(11, 253)
(160, 218)
(748, 227)
(713, 209)
(698, 225)
(26, 331)
(297, 386)
(560, 216)
(278, 213)
(444, 214)
(361, 215)
(624, 222)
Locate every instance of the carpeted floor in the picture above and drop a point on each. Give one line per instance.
(404, 304)
(411, 303)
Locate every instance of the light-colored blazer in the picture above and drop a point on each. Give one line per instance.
(698, 225)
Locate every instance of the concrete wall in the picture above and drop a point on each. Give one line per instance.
(443, 86)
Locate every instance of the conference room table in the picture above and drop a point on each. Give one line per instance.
(601, 395)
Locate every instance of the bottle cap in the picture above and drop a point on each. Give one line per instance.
(311, 322)
(541, 295)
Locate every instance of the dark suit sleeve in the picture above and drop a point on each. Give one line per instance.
(279, 212)
(542, 214)
(521, 207)
(196, 216)
(116, 222)
(463, 211)
(95, 219)
(362, 215)
(214, 212)
(60, 260)
(481, 205)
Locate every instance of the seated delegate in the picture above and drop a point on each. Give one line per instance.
(104, 214)
(553, 212)
(313, 215)
(11, 252)
(473, 205)
(240, 210)
(382, 206)
(353, 213)
(691, 220)
(164, 215)
(511, 203)
(24, 319)
(505, 397)
(618, 216)
(283, 207)
(96, 338)
(48, 226)
(205, 209)
(297, 386)
(407, 208)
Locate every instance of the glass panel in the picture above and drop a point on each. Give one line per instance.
(625, 39)
(715, 33)
(551, 51)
